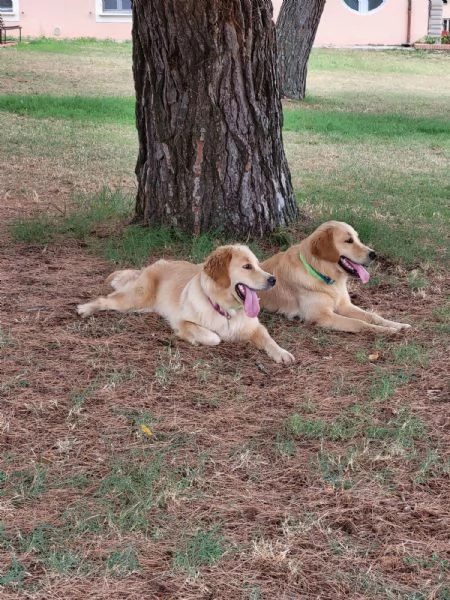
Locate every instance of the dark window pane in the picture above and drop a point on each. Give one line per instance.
(352, 4)
(6, 5)
(109, 4)
(126, 4)
(374, 4)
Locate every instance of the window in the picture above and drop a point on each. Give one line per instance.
(112, 11)
(123, 6)
(446, 24)
(10, 9)
(363, 7)
(6, 6)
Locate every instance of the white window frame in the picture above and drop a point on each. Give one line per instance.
(11, 15)
(364, 8)
(110, 16)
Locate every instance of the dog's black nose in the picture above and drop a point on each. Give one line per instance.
(272, 281)
(372, 255)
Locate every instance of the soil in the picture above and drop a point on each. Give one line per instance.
(71, 390)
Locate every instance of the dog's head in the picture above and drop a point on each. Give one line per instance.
(338, 243)
(235, 270)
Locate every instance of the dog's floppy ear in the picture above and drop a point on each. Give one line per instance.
(217, 266)
(322, 246)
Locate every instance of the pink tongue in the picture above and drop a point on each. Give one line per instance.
(362, 273)
(251, 303)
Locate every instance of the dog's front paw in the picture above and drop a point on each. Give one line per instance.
(395, 325)
(393, 330)
(84, 310)
(283, 356)
(402, 326)
(385, 329)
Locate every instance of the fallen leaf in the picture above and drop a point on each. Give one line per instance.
(146, 430)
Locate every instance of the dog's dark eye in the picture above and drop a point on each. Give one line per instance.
(247, 266)
(349, 241)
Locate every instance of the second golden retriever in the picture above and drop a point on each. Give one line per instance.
(203, 303)
(312, 281)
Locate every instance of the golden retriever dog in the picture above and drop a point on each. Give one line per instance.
(204, 304)
(312, 281)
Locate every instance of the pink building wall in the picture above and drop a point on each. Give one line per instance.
(446, 11)
(339, 26)
(68, 19)
(386, 25)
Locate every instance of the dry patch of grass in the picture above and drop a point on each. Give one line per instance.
(69, 74)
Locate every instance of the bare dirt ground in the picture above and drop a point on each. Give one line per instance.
(297, 517)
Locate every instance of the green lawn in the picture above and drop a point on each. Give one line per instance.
(370, 145)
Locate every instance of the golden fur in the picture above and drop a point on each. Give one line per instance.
(299, 293)
(201, 302)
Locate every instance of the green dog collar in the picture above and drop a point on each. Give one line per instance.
(312, 271)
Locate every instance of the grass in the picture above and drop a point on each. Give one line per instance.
(404, 428)
(376, 128)
(432, 465)
(398, 183)
(136, 244)
(81, 218)
(336, 470)
(87, 216)
(411, 353)
(109, 109)
(169, 367)
(131, 488)
(122, 563)
(5, 339)
(201, 548)
(375, 155)
(14, 575)
(24, 485)
(129, 491)
(77, 46)
(44, 544)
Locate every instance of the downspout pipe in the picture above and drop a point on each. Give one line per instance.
(408, 23)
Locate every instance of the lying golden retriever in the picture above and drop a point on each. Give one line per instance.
(204, 303)
(312, 281)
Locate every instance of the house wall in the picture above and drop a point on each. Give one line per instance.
(68, 19)
(387, 25)
(339, 26)
(446, 11)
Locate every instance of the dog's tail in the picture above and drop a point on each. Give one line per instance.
(119, 279)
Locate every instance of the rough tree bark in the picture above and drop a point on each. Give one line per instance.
(209, 117)
(297, 25)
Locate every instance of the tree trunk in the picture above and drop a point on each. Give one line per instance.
(209, 118)
(296, 29)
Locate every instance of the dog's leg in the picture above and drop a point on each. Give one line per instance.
(136, 292)
(119, 279)
(119, 301)
(260, 337)
(352, 311)
(331, 320)
(196, 334)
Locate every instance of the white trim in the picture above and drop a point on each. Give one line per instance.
(110, 17)
(11, 15)
(364, 8)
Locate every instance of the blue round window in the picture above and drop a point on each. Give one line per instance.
(363, 6)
